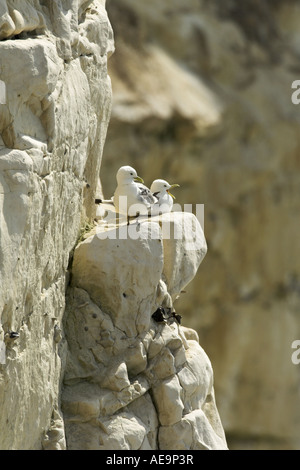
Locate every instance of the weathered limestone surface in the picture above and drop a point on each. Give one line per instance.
(100, 374)
(131, 382)
(53, 60)
(202, 95)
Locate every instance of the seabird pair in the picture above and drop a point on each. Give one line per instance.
(132, 198)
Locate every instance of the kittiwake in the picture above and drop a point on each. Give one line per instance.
(161, 190)
(131, 196)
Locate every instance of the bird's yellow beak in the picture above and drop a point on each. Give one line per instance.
(173, 186)
(138, 179)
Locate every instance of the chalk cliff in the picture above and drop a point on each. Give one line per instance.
(83, 362)
(53, 60)
(134, 380)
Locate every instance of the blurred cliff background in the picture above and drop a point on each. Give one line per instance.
(202, 97)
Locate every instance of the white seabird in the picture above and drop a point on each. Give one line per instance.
(161, 191)
(131, 196)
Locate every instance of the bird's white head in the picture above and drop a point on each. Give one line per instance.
(162, 187)
(127, 175)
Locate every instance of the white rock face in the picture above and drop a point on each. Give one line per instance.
(128, 381)
(133, 383)
(135, 268)
(52, 129)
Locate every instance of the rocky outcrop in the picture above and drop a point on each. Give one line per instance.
(92, 353)
(202, 97)
(133, 382)
(53, 123)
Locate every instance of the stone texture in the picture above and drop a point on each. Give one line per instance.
(202, 96)
(132, 383)
(97, 262)
(102, 374)
(53, 60)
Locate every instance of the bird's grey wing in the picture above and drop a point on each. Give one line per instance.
(146, 195)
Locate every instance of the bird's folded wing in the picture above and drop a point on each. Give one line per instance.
(147, 195)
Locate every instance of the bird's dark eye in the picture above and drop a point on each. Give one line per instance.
(131, 174)
(165, 185)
